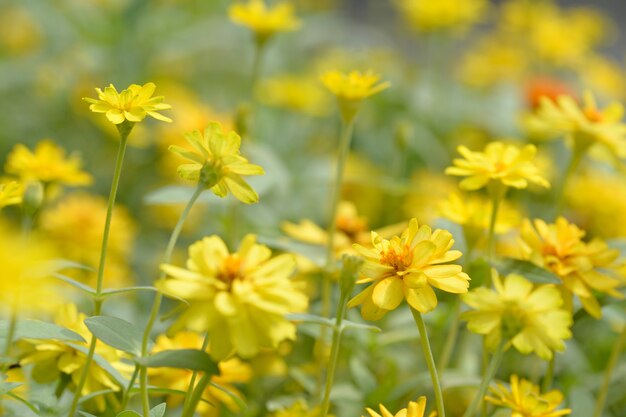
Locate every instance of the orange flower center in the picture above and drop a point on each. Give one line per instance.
(399, 261)
(500, 166)
(593, 115)
(230, 269)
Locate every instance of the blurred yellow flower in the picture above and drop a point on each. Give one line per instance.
(299, 93)
(473, 212)
(232, 371)
(586, 124)
(242, 297)
(132, 104)
(430, 16)
(500, 163)
(75, 226)
(26, 286)
(11, 193)
(299, 409)
(217, 163)
(47, 163)
(414, 409)
(351, 88)
(583, 267)
(408, 266)
(530, 319)
(525, 400)
(262, 20)
(20, 32)
(52, 359)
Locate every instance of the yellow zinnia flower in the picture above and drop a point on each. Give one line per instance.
(586, 124)
(299, 409)
(525, 400)
(217, 163)
(414, 409)
(472, 212)
(52, 359)
(500, 163)
(47, 163)
(352, 88)
(231, 371)
(132, 104)
(430, 16)
(408, 266)
(264, 21)
(559, 248)
(531, 319)
(11, 193)
(240, 297)
(300, 93)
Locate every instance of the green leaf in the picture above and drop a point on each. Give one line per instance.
(60, 264)
(85, 288)
(116, 291)
(315, 253)
(158, 411)
(117, 333)
(240, 402)
(5, 387)
(85, 414)
(347, 324)
(526, 269)
(192, 359)
(310, 318)
(35, 329)
(130, 413)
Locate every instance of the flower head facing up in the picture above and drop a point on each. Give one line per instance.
(440, 15)
(407, 267)
(517, 313)
(11, 193)
(586, 124)
(241, 296)
(48, 163)
(132, 104)
(525, 400)
(414, 409)
(499, 163)
(583, 267)
(264, 21)
(352, 88)
(217, 163)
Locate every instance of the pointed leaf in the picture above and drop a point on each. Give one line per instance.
(192, 359)
(158, 411)
(526, 269)
(35, 329)
(117, 333)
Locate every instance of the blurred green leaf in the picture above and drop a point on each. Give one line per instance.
(526, 269)
(192, 359)
(130, 413)
(5, 387)
(35, 329)
(117, 333)
(116, 291)
(158, 411)
(314, 253)
(240, 402)
(85, 288)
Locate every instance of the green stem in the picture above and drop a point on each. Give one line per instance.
(546, 384)
(430, 362)
(143, 386)
(334, 354)
(344, 148)
(580, 148)
(489, 375)
(608, 373)
(450, 342)
(124, 131)
(131, 382)
(196, 396)
(497, 194)
(194, 375)
(156, 305)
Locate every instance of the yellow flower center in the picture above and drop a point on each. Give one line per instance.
(500, 166)
(230, 269)
(399, 261)
(593, 115)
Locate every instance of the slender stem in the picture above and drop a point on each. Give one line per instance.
(546, 384)
(344, 147)
(259, 48)
(156, 305)
(194, 375)
(196, 396)
(450, 342)
(430, 361)
(131, 382)
(608, 373)
(334, 355)
(124, 132)
(496, 198)
(482, 389)
(580, 148)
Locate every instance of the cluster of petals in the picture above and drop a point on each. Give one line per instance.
(408, 267)
(499, 162)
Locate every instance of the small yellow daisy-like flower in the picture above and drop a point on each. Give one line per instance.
(525, 400)
(242, 296)
(132, 104)
(11, 193)
(264, 21)
(586, 124)
(583, 267)
(414, 409)
(52, 359)
(472, 212)
(299, 409)
(47, 163)
(231, 371)
(300, 93)
(500, 164)
(217, 163)
(430, 16)
(515, 313)
(408, 266)
(352, 88)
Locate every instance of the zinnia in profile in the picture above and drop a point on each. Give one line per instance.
(352, 88)
(408, 267)
(241, 298)
(516, 313)
(414, 409)
(264, 21)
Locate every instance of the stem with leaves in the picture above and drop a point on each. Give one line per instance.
(618, 347)
(487, 377)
